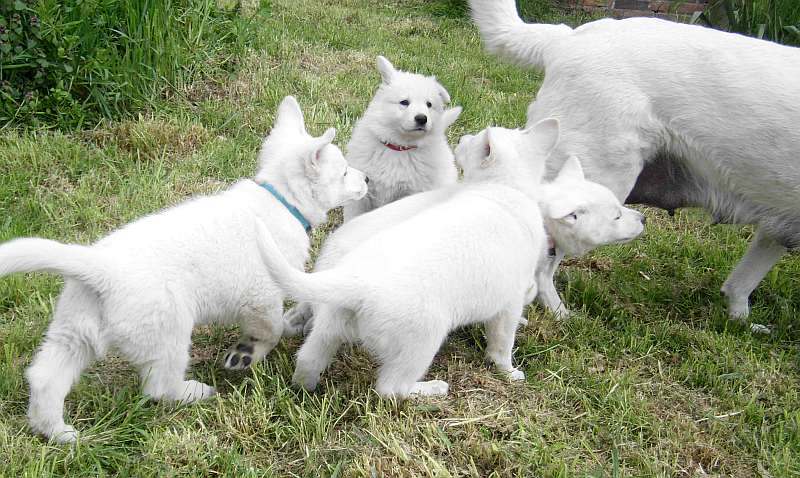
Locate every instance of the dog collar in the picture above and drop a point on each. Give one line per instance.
(395, 147)
(295, 212)
(551, 246)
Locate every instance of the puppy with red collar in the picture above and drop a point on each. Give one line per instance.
(400, 142)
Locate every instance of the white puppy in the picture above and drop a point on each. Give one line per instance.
(672, 115)
(400, 142)
(142, 288)
(570, 191)
(469, 257)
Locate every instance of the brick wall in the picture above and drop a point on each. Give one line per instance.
(642, 8)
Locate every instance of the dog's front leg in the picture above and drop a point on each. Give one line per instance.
(762, 254)
(500, 333)
(261, 329)
(545, 279)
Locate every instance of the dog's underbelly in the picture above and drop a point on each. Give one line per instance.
(667, 182)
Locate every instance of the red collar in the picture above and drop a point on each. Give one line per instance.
(395, 147)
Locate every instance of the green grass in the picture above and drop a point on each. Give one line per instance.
(776, 20)
(68, 64)
(648, 379)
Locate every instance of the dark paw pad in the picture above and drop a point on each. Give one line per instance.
(239, 357)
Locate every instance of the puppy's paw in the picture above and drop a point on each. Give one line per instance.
(430, 388)
(516, 375)
(245, 353)
(292, 330)
(240, 356)
(760, 329)
(298, 320)
(67, 434)
(305, 380)
(194, 391)
(562, 313)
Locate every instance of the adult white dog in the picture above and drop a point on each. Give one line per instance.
(672, 115)
(468, 257)
(400, 142)
(142, 288)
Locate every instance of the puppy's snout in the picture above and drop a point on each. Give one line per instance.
(421, 119)
(644, 219)
(366, 179)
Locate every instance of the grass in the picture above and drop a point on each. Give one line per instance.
(68, 64)
(648, 379)
(776, 20)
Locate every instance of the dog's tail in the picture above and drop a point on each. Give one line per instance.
(326, 286)
(70, 260)
(505, 34)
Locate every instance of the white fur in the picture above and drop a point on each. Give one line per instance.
(724, 105)
(569, 194)
(400, 278)
(396, 174)
(142, 288)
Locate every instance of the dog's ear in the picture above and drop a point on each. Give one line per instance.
(570, 170)
(450, 116)
(315, 146)
(543, 135)
(489, 154)
(562, 210)
(290, 116)
(443, 94)
(386, 70)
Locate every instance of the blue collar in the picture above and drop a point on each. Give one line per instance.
(295, 212)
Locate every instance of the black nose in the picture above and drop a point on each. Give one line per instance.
(644, 219)
(366, 179)
(421, 119)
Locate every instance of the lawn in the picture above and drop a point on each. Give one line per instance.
(647, 379)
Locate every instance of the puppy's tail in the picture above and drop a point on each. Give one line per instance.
(70, 260)
(505, 34)
(326, 286)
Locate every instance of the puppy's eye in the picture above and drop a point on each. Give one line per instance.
(573, 216)
(619, 216)
(345, 173)
(429, 104)
(405, 102)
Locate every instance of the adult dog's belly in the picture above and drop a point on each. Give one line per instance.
(668, 182)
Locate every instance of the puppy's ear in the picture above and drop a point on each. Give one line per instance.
(450, 116)
(386, 70)
(487, 148)
(443, 94)
(543, 135)
(563, 210)
(314, 152)
(571, 170)
(289, 116)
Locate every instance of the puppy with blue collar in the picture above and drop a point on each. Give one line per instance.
(142, 289)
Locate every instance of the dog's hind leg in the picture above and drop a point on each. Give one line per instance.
(261, 330)
(68, 348)
(405, 365)
(162, 360)
(319, 348)
(545, 280)
(500, 342)
(762, 254)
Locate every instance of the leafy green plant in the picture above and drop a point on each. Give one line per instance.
(71, 63)
(776, 20)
